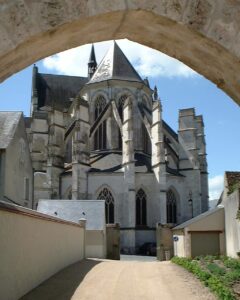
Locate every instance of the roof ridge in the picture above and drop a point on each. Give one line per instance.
(115, 65)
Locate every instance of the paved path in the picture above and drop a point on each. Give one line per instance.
(121, 280)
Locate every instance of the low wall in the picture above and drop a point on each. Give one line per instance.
(113, 241)
(95, 244)
(33, 247)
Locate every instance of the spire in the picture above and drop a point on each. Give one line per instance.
(155, 93)
(115, 65)
(34, 98)
(34, 81)
(92, 63)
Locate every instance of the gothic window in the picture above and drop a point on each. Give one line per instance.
(141, 208)
(100, 134)
(121, 101)
(171, 207)
(106, 195)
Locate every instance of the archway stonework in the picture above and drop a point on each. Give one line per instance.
(203, 34)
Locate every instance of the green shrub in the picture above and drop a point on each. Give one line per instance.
(213, 281)
(216, 270)
(231, 277)
(216, 285)
(231, 263)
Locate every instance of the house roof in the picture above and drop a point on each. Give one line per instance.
(232, 178)
(198, 218)
(115, 65)
(57, 90)
(73, 210)
(8, 124)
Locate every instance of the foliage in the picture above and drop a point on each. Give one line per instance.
(213, 276)
(231, 263)
(233, 187)
(216, 270)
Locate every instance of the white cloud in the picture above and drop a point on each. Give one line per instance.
(215, 187)
(148, 62)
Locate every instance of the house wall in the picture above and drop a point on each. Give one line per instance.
(214, 221)
(18, 169)
(231, 205)
(211, 224)
(179, 245)
(35, 247)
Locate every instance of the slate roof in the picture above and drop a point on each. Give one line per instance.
(56, 90)
(115, 65)
(170, 130)
(8, 124)
(112, 162)
(73, 210)
(198, 218)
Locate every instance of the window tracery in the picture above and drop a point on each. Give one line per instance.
(121, 101)
(100, 134)
(171, 207)
(106, 195)
(141, 208)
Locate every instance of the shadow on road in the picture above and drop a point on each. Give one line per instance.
(62, 285)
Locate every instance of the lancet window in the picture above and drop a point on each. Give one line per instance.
(171, 207)
(141, 208)
(100, 134)
(121, 101)
(106, 195)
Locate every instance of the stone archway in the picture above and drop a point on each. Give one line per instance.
(204, 34)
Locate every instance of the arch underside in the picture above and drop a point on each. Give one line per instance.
(203, 39)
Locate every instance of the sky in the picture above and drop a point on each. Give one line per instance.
(178, 87)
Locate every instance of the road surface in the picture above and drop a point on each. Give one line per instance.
(94, 279)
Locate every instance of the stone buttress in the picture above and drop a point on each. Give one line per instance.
(80, 151)
(129, 175)
(158, 163)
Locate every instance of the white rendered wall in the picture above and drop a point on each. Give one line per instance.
(232, 224)
(18, 166)
(33, 248)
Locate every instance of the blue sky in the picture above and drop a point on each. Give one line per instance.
(178, 87)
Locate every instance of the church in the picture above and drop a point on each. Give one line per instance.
(103, 137)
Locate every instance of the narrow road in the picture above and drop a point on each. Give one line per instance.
(121, 280)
